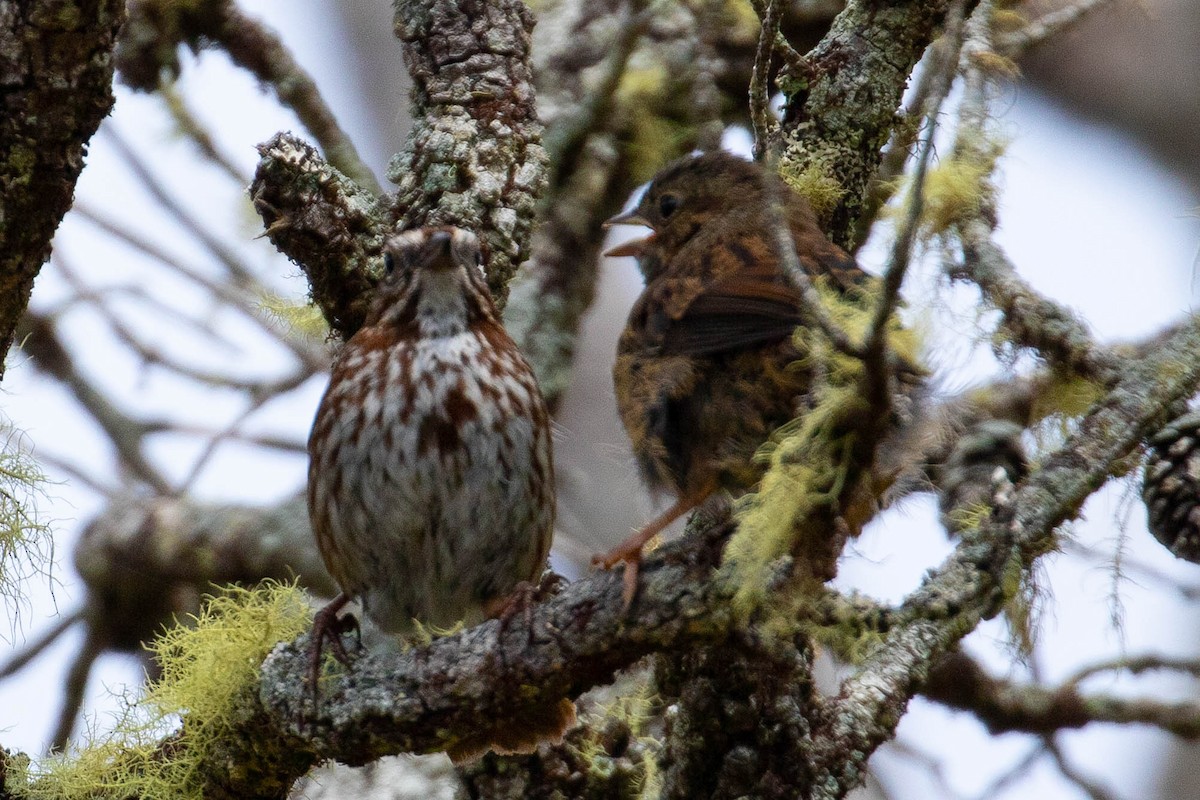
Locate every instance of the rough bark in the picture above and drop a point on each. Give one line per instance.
(838, 117)
(474, 157)
(55, 86)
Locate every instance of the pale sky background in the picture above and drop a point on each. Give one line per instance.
(1088, 218)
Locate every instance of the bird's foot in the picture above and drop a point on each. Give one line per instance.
(328, 626)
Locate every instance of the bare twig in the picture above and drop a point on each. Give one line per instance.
(151, 44)
(1047, 26)
(812, 308)
(34, 648)
(760, 80)
(188, 221)
(49, 354)
(195, 130)
(1089, 786)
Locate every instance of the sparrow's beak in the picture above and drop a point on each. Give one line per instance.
(631, 248)
(627, 218)
(436, 252)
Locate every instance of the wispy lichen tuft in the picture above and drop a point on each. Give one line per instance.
(26, 543)
(208, 667)
(303, 318)
(808, 459)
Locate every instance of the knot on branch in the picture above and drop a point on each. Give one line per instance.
(325, 223)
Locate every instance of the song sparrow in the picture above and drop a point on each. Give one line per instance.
(430, 484)
(706, 368)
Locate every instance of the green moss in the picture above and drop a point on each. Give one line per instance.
(208, 668)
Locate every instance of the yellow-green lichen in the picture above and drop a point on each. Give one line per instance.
(208, 668)
(1007, 21)
(956, 189)
(996, 64)
(26, 543)
(651, 138)
(303, 318)
(816, 183)
(808, 459)
(634, 710)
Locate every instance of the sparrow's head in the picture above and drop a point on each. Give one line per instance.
(433, 278)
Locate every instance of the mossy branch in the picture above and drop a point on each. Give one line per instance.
(840, 114)
(329, 226)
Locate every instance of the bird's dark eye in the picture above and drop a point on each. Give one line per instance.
(667, 205)
(389, 263)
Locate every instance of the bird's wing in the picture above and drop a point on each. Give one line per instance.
(734, 313)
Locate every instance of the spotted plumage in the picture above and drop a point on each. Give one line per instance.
(431, 487)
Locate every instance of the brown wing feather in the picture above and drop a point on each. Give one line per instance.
(734, 314)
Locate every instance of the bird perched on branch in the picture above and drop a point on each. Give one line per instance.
(431, 483)
(707, 366)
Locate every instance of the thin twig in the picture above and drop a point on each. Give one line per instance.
(127, 434)
(1046, 26)
(313, 357)
(195, 130)
(811, 305)
(255, 47)
(1089, 786)
(73, 689)
(33, 649)
(237, 268)
(1136, 666)
(760, 78)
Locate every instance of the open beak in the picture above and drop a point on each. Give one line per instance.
(626, 218)
(634, 246)
(631, 248)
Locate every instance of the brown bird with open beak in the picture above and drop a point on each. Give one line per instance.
(706, 368)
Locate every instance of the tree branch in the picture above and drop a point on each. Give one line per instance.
(837, 118)
(150, 46)
(474, 157)
(55, 86)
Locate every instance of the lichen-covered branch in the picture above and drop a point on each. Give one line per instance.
(474, 157)
(55, 86)
(970, 586)
(329, 226)
(838, 117)
(1030, 319)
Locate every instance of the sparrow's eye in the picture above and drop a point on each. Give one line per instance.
(667, 205)
(389, 263)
